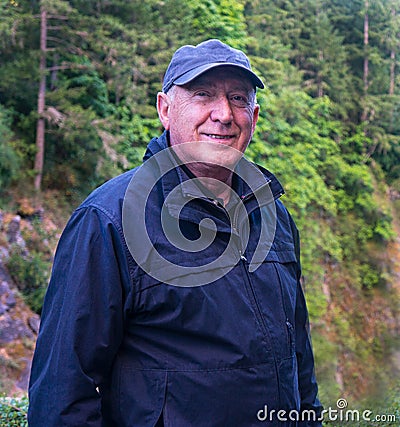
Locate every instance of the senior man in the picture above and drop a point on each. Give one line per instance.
(175, 297)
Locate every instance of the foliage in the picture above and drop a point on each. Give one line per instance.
(31, 274)
(386, 413)
(30, 264)
(13, 412)
(9, 160)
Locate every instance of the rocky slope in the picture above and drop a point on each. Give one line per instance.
(18, 330)
(18, 323)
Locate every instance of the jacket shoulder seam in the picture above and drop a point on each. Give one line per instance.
(116, 223)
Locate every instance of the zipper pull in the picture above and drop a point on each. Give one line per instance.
(242, 257)
(290, 331)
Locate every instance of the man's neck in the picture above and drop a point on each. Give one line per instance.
(217, 180)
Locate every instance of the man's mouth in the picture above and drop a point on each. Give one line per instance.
(215, 136)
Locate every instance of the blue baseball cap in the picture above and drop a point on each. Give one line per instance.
(188, 62)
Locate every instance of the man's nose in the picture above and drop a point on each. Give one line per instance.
(222, 110)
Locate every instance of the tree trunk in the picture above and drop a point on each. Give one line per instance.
(366, 61)
(366, 36)
(392, 72)
(392, 62)
(40, 128)
(320, 83)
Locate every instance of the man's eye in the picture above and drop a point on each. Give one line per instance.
(201, 93)
(239, 100)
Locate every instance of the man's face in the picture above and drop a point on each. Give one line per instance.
(217, 107)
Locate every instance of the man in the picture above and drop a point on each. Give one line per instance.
(175, 297)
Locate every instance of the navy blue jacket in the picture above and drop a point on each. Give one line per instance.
(118, 347)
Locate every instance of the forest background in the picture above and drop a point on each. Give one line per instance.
(78, 83)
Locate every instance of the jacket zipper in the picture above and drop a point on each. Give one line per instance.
(243, 261)
(289, 326)
(290, 332)
(248, 197)
(253, 299)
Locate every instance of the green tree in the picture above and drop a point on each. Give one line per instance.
(9, 159)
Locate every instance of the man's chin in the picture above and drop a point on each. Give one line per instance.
(211, 154)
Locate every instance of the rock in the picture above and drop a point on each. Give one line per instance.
(10, 300)
(34, 323)
(14, 233)
(18, 331)
(3, 309)
(12, 329)
(23, 381)
(4, 288)
(7, 296)
(13, 230)
(4, 253)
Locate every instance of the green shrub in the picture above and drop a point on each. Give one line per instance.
(9, 160)
(13, 412)
(31, 274)
(382, 413)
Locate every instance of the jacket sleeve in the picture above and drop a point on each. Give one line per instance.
(82, 323)
(310, 406)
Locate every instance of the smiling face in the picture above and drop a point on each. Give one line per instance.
(218, 107)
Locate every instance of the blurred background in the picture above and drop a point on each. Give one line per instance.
(78, 84)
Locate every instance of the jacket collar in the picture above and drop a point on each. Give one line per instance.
(247, 172)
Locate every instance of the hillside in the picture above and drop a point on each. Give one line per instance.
(19, 325)
(21, 275)
(18, 331)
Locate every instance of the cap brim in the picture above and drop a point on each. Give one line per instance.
(196, 72)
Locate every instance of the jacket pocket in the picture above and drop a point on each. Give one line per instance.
(140, 396)
(275, 286)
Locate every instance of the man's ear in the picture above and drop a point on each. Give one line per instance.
(255, 117)
(163, 106)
